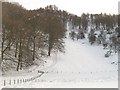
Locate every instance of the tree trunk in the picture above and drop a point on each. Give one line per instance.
(2, 53)
(19, 56)
(50, 46)
(9, 46)
(34, 49)
(21, 65)
(49, 51)
(16, 49)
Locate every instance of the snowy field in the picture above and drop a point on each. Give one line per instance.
(81, 66)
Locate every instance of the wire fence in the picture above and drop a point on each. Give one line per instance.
(82, 72)
(76, 77)
(9, 82)
(22, 80)
(17, 81)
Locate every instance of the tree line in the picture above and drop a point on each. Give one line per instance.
(98, 28)
(29, 35)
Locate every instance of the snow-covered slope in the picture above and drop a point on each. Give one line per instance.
(82, 66)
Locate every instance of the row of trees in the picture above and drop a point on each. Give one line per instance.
(28, 35)
(96, 21)
(100, 28)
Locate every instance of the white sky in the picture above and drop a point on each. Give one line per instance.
(75, 6)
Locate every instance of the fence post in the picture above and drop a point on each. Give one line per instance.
(10, 82)
(23, 80)
(14, 81)
(20, 80)
(4, 82)
(26, 80)
(17, 81)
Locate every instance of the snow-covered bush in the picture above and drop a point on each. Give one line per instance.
(92, 37)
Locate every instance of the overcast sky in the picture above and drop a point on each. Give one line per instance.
(75, 6)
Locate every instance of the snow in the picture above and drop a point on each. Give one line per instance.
(81, 66)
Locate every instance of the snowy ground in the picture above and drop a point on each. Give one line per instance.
(82, 66)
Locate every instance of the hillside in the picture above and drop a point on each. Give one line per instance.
(53, 48)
